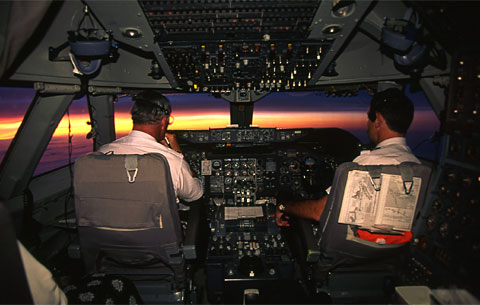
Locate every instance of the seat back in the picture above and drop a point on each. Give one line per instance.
(338, 242)
(127, 216)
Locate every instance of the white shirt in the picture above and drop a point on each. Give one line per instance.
(43, 288)
(391, 151)
(137, 142)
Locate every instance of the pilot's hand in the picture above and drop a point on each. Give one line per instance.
(171, 141)
(281, 218)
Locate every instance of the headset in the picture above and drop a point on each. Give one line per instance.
(88, 48)
(400, 35)
(160, 104)
(89, 45)
(413, 58)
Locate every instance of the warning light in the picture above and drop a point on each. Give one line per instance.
(195, 86)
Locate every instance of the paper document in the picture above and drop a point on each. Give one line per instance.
(243, 212)
(390, 208)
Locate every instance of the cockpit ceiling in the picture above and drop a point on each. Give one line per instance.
(238, 48)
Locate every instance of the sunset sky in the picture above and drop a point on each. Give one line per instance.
(203, 111)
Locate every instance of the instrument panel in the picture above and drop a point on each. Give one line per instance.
(446, 248)
(241, 135)
(245, 172)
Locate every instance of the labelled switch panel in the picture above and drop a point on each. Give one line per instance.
(219, 46)
(244, 65)
(446, 239)
(463, 111)
(219, 20)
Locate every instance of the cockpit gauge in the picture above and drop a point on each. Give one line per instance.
(451, 212)
(437, 205)
(443, 230)
(431, 222)
(294, 166)
(216, 164)
(267, 135)
(309, 162)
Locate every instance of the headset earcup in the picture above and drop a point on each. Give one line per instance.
(90, 48)
(87, 67)
(395, 40)
(413, 58)
(91, 53)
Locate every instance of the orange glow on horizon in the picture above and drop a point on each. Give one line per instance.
(8, 127)
(310, 119)
(123, 123)
(204, 121)
(186, 120)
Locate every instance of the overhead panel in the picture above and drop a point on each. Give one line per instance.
(221, 46)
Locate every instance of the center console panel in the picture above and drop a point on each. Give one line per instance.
(245, 173)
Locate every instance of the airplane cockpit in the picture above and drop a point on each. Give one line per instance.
(270, 102)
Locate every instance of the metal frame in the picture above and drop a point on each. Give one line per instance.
(340, 39)
(101, 110)
(30, 142)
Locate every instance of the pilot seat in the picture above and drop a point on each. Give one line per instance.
(128, 224)
(341, 262)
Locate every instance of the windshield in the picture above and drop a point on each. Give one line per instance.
(312, 109)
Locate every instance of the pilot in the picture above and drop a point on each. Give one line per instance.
(151, 117)
(389, 117)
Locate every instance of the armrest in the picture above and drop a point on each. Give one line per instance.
(312, 250)
(192, 231)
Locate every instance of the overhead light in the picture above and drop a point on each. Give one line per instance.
(343, 8)
(332, 29)
(132, 33)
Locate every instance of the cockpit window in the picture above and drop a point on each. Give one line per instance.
(194, 111)
(314, 109)
(123, 119)
(422, 136)
(14, 103)
(73, 123)
(309, 109)
(199, 111)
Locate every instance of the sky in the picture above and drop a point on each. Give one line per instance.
(203, 111)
